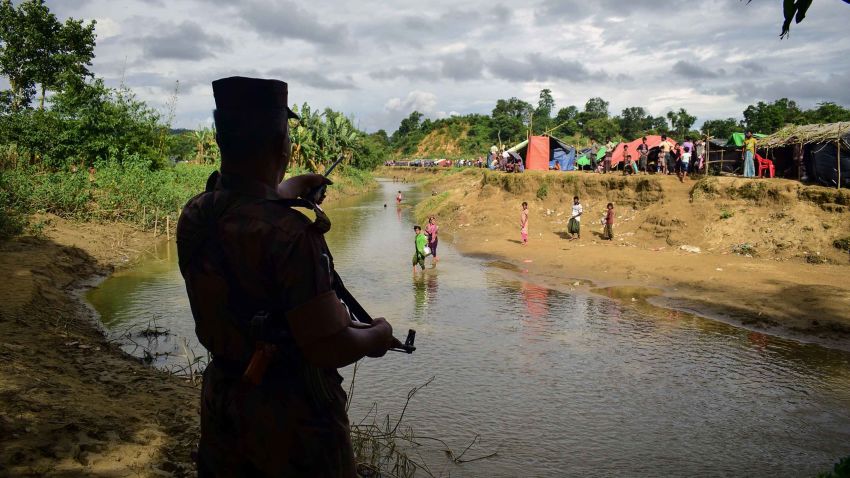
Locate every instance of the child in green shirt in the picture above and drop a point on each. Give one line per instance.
(419, 252)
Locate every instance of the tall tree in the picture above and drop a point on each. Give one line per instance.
(510, 118)
(634, 120)
(721, 128)
(35, 48)
(543, 113)
(769, 117)
(566, 121)
(681, 121)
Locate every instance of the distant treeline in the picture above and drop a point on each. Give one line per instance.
(511, 119)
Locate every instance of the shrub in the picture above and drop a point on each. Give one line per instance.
(543, 191)
(842, 243)
(724, 214)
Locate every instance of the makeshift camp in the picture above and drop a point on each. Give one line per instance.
(816, 153)
(541, 151)
(652, 141)
(726, 155)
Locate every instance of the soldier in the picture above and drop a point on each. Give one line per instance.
(260, 281)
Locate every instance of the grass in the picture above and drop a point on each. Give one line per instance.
(131, 191)
(724, 214)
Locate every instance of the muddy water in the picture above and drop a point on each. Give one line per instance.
(558, 384)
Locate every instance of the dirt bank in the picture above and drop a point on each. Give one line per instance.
(71, 403)
(772, 253)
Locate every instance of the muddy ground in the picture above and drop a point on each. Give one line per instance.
(71, 403)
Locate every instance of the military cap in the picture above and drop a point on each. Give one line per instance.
(238, 93)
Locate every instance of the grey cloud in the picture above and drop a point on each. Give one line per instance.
(466, 65)
(313, 79)
(834, 88)
(537, 68)
(286, 20)
(422, 29)
(693, 71)
(186, 41)
(411, 73)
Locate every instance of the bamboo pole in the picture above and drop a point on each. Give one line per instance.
(155, 222)
(168, 227)
(707, 153)
(144, 218)
(838, 155)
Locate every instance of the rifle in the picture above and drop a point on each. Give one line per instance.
(317, 194)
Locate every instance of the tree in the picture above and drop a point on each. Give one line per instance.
(721, 128)
(634, 121)
(827, 112)
(510, 118)
(566, 121)
(681, 121)
(769, 117)
(543, 113)
(601, 128)
(595, 108)
(35, 48)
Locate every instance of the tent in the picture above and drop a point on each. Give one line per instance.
(584, 157)
(541, 152)
(737, 139)
(811, 152)
(651, 140)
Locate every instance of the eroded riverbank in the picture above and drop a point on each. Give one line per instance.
(73, 404)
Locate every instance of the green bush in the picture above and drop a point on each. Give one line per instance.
(543, 191)
(724, 214)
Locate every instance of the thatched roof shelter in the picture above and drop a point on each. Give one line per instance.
(808, 134)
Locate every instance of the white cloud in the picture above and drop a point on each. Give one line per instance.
(421, 101)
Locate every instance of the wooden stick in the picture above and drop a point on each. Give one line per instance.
(168, 226)
(838, 155)
(144, 218)
(155, 222)
(707, 153)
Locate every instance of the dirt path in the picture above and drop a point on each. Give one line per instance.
(795, 285)
(71, 403)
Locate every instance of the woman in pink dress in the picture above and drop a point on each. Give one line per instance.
(523, 223)
(431, 231)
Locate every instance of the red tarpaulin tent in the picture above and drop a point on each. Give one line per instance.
(537, 157)
(651, 140)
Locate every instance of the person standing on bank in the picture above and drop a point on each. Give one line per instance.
(643, 151)
(574, 225)
(523, 223)
(431, 230)
(749, 155)
(609, 223)
(261, 285)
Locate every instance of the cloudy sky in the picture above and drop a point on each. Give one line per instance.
(379, 60)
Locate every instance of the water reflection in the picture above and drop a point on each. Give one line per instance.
(560, 383)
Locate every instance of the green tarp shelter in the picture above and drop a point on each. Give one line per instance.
(583, 160)
(737, 139)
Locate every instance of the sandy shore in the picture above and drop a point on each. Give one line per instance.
(794, 283)
(74, 404)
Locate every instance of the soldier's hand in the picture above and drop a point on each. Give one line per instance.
(383, 336)
(299, 186)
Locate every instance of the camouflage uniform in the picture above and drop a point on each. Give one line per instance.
(242, 251)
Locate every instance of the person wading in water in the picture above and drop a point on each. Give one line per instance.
(431, 231)
(261, 284)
